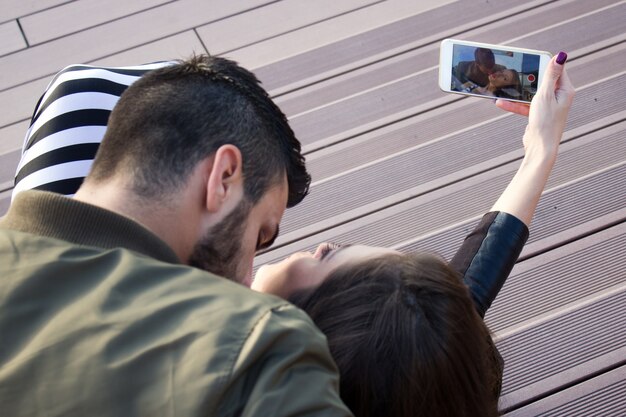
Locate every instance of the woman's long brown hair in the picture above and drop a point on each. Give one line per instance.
(406, 338)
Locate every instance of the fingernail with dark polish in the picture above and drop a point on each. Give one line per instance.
(561, 58)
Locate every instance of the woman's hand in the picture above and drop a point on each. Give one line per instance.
(548, 110)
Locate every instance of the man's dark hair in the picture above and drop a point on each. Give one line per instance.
(406, 338)
(173, 117)
(485, 57)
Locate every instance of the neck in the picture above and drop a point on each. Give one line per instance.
(161, 218)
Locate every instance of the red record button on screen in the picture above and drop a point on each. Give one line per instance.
(531, 78)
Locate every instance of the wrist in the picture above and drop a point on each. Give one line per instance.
(537, 166)
(539, 149)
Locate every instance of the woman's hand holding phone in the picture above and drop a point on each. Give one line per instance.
(487, 70)
(547, 115)
(512, 74)
(548, 110)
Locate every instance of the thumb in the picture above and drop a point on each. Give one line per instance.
(554, 71)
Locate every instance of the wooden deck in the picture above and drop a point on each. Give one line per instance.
(396, 162)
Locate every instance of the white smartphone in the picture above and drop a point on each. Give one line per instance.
(492, 71)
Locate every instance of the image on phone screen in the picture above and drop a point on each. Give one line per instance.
(494, 72)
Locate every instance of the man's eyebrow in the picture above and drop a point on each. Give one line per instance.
(271, 241)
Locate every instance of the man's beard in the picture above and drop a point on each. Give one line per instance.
(219, 251)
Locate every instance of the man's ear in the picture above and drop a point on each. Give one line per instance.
(224, 186)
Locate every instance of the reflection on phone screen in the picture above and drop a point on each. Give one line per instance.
(494, 73)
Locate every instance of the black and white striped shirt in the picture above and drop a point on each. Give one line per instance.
(68, 125)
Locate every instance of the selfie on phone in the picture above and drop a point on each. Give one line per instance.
(490, 70)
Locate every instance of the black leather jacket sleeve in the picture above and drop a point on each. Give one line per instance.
(488, 255)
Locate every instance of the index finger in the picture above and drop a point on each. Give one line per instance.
(514, 107)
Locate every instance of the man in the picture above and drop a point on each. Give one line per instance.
(478, 71)
(101, 317)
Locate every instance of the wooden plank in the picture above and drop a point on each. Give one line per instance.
(350, 118)
(12, 39)
(562, 216)
(330, 31)
(448, 239)
(420, 59)
(11, 139)
(446, 120)
(528, 296)
(173, 47)
(25, 97)
(566, 340)
(78, 15)
(5, 201)
(346, 53)
(19, 102)
(549, 357)
(101, 41)
(602, 148)
(407, 224)
(432, 165)
(178, 46)
(8, 162)
(268, 22)
(405, 35)
(603, 394)
(12, 9)
(573, 218)
(418, 92)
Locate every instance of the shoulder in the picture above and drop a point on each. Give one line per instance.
(197, 295)
(246, 353)
(252, 349)
(166, 301)
(218, 343)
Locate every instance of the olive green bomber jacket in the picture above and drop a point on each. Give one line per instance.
(99, 318)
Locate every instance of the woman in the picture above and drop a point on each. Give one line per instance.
(403, 329)
(502, 83)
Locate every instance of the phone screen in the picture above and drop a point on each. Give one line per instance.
(494, 72)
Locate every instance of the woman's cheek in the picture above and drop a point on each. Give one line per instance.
(267, 278)
(288, 276)
(306, 273)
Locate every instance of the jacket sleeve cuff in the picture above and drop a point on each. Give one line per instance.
(488, 255)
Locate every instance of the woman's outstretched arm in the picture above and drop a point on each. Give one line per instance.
(546, 121)
(489, 253)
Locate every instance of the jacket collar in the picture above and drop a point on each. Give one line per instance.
(56, 216)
